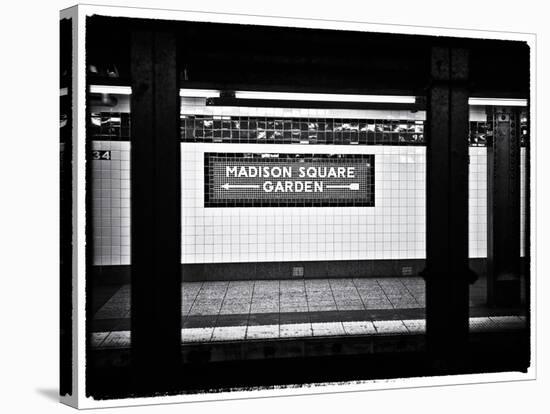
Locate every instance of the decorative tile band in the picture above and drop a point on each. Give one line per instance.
(316, 131)
(115, 126)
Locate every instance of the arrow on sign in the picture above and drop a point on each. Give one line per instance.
(352, 186)
(228, 186)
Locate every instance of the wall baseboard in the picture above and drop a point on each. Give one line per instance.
(286, 270)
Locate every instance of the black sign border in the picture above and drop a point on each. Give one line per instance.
(280, 202)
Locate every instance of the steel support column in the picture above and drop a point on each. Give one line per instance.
(503, 209)
(447, 208)
(155, 208)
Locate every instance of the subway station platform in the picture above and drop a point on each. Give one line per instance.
(225, 311)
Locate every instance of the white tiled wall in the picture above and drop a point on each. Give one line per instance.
(478, 202)
(394, 228)
(111, 204)
(477, 209)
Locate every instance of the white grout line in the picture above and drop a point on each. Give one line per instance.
(359, 294)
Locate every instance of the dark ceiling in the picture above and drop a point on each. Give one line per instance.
(276, 58)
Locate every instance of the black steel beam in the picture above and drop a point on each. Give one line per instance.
(447, 208)
(155, 207)
(527, 223)
(503, 209)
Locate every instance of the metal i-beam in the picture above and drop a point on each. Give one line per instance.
(503, 209)
(155, 208)
(447, 208)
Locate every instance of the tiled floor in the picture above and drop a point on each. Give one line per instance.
(279, 296)
(264, 309)
(240, 297)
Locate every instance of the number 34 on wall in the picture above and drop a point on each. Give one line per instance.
(101, 155)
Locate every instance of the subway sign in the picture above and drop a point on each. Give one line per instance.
(288, 180)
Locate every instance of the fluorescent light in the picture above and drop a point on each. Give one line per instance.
(126, 90)
(199, 93)
(325, 97)
(117, 90)
(497, 102)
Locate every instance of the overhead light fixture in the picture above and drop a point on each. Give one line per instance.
(127, 90)
(496, 102)
(199, 93)
(325, 97)
(111, 89)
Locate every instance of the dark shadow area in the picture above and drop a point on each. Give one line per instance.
(321, 360)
